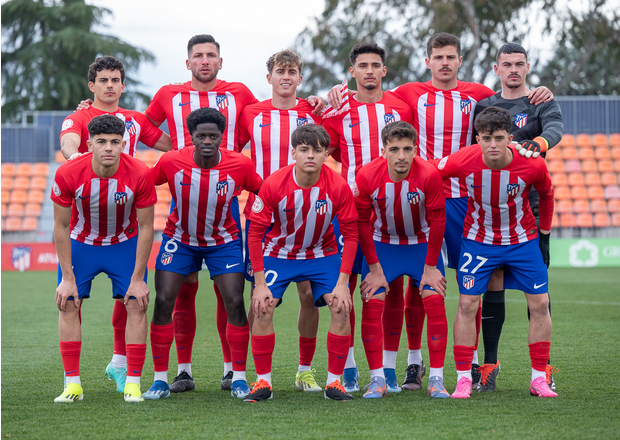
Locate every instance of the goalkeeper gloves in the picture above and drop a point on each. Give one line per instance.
(533, 148)
(543, 243)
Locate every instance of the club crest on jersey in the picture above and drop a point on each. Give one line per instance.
(413, 197)
(120, 198)
(466, 106)
(521, 120)
(389, 118)
(302, 121)
(222, 188)
(166, 258)
(130, 127)
(20, 257)
(221, 101)
(321, 206)
(512, 189)
(468, 281)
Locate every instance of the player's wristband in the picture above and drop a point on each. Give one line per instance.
(544, 145)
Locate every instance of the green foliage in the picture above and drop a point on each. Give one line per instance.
(585, 308)
(46, 50)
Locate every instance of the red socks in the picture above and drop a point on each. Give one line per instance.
(307, 347)
(337, 351)
(221, 319)
(238, 339)
(414, 316)
(70, 354)
(161, 340)
(262, 352)
(119, 322)
(393, 315)
(135, 359)
(371, 333)
(436, 329)
(539, 354)
(463, 356)
(352, 286)
(184, 321)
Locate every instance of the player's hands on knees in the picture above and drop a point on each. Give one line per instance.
(84, 105)
(64, 290)
(318, 103)
(341, 299)
(373, 282)
(432, 277)
(539, 95)
(140, 291)
(334, 98)
(261, 299)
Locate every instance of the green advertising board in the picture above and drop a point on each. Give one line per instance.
(585, 252)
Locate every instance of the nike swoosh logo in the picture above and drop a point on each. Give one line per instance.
(185, 184)
(394, 334)
(341, 357)
(228, 266)
(410, 326)
(137, 372)
(378, 200)
(353, 125)
(264, 125)
(181, 104)
(538, 286)
(429, 105)
(84, 197)
(181, 348)
(367, 340)
(434, 338)
(255, 358)
(488, 317)
(288, 210)
(461, 363)
(479, 186)
(240, 362)
(157, 357)
(69, 372)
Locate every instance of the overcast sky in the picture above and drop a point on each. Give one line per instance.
(248, 31)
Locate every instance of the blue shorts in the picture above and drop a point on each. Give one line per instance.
(359, 256)
(249, 272)
(322, 273)
(117, 261)
(398, 260)
(234, 211)
(523, 267)
(455, 219)
(178, 257)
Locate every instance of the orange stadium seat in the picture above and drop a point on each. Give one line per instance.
(149, 157)
(609, 178)
(583, 140)
(163, 194)
(586, 153)
(18, 196)
(578, 192)
(35, 196)
(572, 166)
(559, 179)
(601, 220)
(5, 196)
(569, 153)
(556, 166)
(617, 165)
(593, 178)
(553, 153)
(614, 140)
(7, 182)
(564, 205)
(602, 153)
(59, 157)
(612, 192)
(580, 206)
(567, 220)
(8, 169)
(12, 224)
(40, 169)
(589, 166)
(15, 210)
(615, 152)
(23, 169)
(599, 205)
(615, 220)
(595, 192)
(568, 140)
(584, 220)
(38, 182)
(555, 221)
(576, 179)
(605, 165)
(32, 210)
(162, 208)
(562, 192)
(21, 183)
(613, 205)
(160, 223)
(29, 224)
(4, 209)
(599, 140)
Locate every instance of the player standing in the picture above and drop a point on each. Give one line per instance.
(500, 229)
(269, 126)
(103, 222)
(403, 195)
(303, 198)
(202, 181)
(356, 138)
(536, 128)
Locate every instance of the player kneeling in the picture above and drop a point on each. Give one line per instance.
(405, 194)
(103, 222)
(500, 229)
(303, 198)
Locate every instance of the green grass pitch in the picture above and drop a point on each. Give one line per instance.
(586, 334)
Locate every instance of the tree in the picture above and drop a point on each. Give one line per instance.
(47, 47)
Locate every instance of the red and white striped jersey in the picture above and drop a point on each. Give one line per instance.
(270, 129)
(498, 209)
(302, 227)
(444, 120)
(201, 215)
(103, 210)
(399, 209)
(358, 132)
(138, 128)
(174, 103)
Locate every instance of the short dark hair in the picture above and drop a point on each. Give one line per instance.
(286, 58)
(200, 39)
(106, 124)
(105, 63)
(361, 49)
(492, 119)
(205, 115)
(440, 40)
(312, 135)
(509, 48)
(398, 130)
